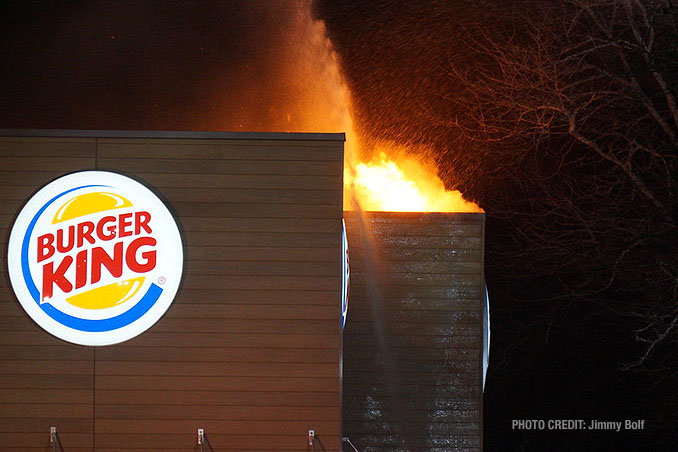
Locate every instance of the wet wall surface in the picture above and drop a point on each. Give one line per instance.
(412, 365)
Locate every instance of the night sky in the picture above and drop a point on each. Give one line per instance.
(564, 330)
(150, 65)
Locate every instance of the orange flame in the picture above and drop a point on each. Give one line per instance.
(317, 99)
(383, 185)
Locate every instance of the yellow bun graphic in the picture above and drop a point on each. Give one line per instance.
(89, 203)
(107, 296)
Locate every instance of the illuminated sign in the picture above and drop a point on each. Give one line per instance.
(95, 258)
(346, 275)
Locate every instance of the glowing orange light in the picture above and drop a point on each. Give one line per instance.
(384, 185)
(317, 99)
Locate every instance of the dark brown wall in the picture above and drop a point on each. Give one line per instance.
(250, 348)
(418, 279)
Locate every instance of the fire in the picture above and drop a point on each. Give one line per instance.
(388, 176)
(384, 185)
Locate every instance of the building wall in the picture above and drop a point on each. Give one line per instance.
(250, 348)
(412, 341)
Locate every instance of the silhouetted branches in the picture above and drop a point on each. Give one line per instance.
(573, 108)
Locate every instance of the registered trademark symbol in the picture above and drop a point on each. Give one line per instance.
(162, 280)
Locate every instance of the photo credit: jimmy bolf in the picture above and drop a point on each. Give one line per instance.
(95, 258)
(576, 424)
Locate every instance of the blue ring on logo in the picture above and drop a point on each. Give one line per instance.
(88, 325)
(113, 323)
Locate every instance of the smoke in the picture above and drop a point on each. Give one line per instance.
(292, 84)
(236, 66)
(223, 66)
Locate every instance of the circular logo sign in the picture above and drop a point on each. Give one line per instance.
(95, 258)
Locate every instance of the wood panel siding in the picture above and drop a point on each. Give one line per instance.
(44, 382)
(249, 350)
(418, 279)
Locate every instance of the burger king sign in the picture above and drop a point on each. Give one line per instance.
(95, 258)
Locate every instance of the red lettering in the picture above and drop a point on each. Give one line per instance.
(85, 230)
(140, 255)
(148, 256)
(113, 265)
(123, 225)
(45, 247)
(141, 219)
(50, 277)
(101, 228)
(81, 269)
(60, 240)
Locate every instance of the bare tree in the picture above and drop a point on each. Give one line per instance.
(573, 106)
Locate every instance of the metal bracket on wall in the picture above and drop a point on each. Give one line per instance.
(201, 439)
(53, 440)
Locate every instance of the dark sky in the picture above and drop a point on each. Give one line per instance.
(186, 65)
(216, 65)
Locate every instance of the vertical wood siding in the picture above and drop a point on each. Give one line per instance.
(249, 349)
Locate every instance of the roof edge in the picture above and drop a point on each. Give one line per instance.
(430, 216)
(203, 135)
